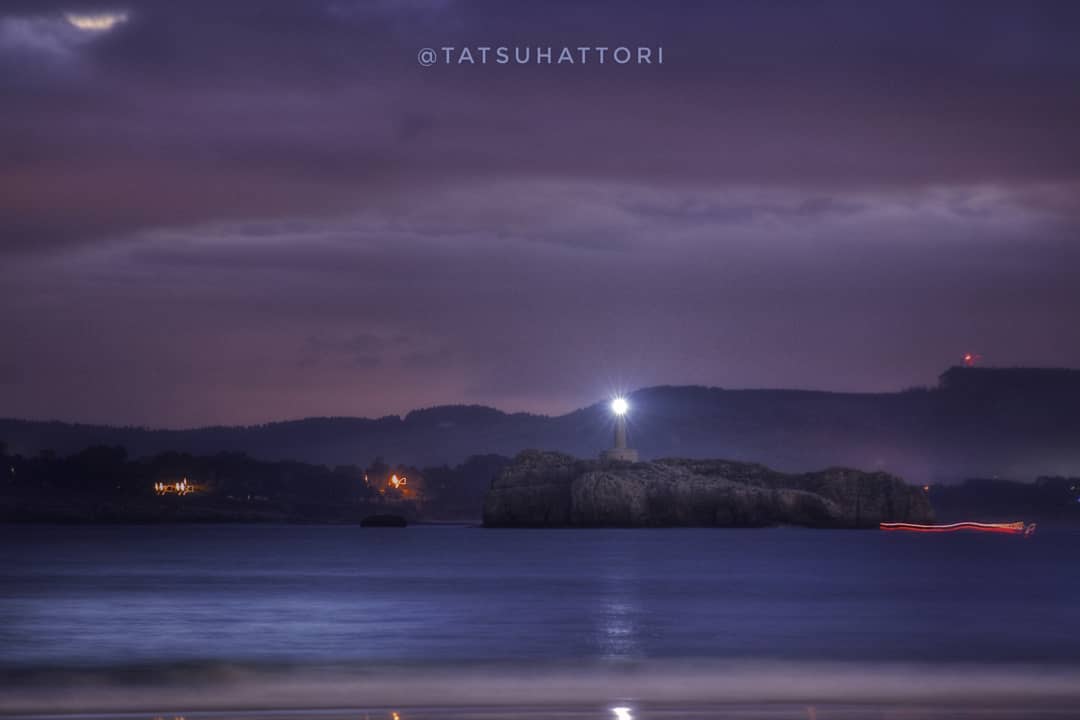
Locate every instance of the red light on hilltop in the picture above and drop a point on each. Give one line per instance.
(971, 359)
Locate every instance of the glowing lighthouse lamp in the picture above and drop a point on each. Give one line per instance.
(620, 453)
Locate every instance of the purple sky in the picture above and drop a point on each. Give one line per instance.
(255, 210)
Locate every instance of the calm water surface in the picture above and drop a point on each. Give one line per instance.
(121, 596)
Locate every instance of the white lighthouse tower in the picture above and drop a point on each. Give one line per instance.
(620, 453)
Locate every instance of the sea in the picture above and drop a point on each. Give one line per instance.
(188, 621)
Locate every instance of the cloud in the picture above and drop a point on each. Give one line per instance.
(362, 350)
(96, 23)
(204, 112)
(382, 312)
(232, 209)
(34, 35)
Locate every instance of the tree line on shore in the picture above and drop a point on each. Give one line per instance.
(104, 483)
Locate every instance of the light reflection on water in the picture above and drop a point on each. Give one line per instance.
(618, 632)
(618, 609)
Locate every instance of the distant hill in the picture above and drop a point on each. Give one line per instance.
(1048, 501)
(985, 422)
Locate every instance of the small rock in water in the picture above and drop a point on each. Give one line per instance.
(384, 521)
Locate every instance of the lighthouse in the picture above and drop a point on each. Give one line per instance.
(620, 453)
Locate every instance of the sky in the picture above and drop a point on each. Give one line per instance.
(218, 213)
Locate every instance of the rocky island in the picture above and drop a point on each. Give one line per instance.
(550, 489)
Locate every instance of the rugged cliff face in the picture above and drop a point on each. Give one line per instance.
(548, 489)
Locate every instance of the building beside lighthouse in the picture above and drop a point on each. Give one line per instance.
(620, 453)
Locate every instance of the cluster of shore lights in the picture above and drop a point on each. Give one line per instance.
(183, 487)
(399, 482)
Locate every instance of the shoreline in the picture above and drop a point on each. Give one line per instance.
(229, 689)
(732, 711)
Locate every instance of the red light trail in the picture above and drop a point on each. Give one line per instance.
(1014, 528)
